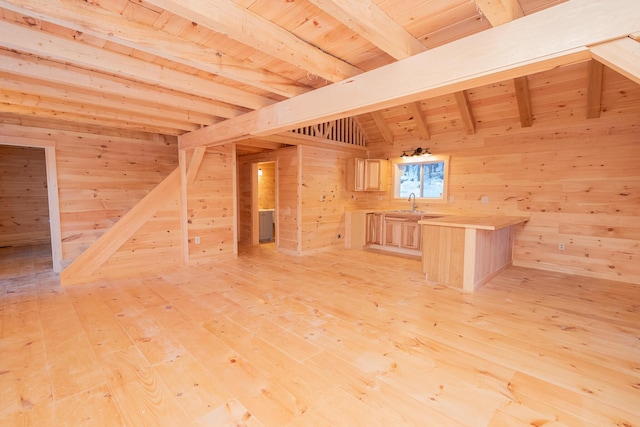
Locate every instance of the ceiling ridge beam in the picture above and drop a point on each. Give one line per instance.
(50, 46)
(106, 25)
(226, 17)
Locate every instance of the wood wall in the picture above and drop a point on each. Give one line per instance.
(24, 212)
(210, 206)
(101, 177)
(324, 197)
(578, 179)
(288, 228)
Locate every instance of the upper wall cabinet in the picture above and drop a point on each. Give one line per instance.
(366, 174)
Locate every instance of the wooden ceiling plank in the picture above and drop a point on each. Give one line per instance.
(101, 23)
(523, 97)
(594, 89)
(83, 119)
(466, 114)
(622, 55)
(368, 20)
(225, 17)
(541, 41)
(97, 112)
(383, 127)
(84, 97)
(420, 118)
(49, 46)
(54, 72)
(499, 12)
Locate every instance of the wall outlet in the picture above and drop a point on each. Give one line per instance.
(561, 246)
(452, 199)
(484, 199)
(196, 240)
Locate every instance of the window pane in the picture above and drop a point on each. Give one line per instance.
(433, 185)
(409, 179)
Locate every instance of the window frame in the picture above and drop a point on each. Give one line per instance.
(421, 160)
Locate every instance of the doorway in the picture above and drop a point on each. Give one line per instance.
(264, 197)
(49, 202)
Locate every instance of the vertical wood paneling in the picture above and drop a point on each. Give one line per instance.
(324, 197)
(578, 178)
(24, 215)
(210, 206)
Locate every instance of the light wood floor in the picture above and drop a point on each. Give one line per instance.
(341, 338)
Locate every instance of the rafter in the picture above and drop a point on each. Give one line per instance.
(421, 121)
(466, 114)
(523, 98)
(594, 89)
(98, 22)
(49, 71)
(49, 46)
(534, 43)
(368, 20)
(70, 95)
(499, 12)
(225, 17)
(382, 126)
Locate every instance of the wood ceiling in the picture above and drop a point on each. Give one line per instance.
(175, 66)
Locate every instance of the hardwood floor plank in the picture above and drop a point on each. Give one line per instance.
(89, 408)
(337, 338)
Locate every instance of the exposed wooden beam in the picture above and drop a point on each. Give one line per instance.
(23, 66)
(86, 119)
(594, 89)
(64, 95)
(421, 121)
(382, 126)
(538, 42)
(466, 113)
(50, 46)
(523, 98)
(291, 138)
(370, 22)
(622, 55)
(194, 164)
(93, 112)
(226, 17)
(499, 12)
(98, 22)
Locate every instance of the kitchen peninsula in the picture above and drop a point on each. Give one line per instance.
(467, 251)
(456, 250)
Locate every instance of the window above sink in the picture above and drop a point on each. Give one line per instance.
(424, 177)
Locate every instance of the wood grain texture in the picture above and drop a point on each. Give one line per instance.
(340, 337)
(24, 214)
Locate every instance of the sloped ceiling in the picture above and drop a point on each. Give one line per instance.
(176, 66)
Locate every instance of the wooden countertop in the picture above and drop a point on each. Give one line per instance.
(492, 222)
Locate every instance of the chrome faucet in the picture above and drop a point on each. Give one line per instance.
(414, 206)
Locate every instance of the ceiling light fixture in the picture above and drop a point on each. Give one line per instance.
(417, 152)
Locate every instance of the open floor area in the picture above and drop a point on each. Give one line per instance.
(339, 338)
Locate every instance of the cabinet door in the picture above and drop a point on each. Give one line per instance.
(392, 231)
(411, 235)
(374, 229)
(372, 175)
(360, 174)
